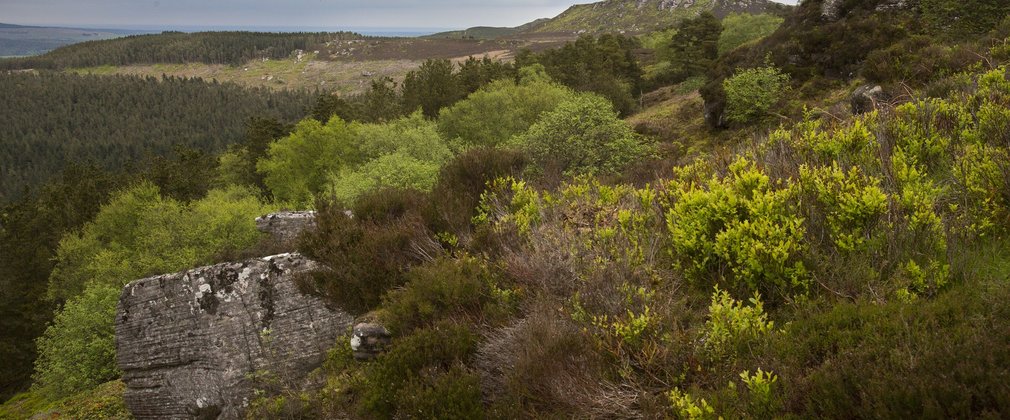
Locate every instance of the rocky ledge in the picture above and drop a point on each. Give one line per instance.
(286, 226)
(191, 344)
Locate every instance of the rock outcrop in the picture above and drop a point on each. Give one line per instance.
(189, 344)
(286, 226)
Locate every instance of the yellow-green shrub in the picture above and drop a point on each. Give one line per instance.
(852, 203)
(929, 131)
(732, 325)
(982, 206)
(922, 229)
(740, 222)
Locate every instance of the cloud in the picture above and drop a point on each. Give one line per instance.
(287, 13)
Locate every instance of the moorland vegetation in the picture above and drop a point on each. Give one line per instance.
(780, 253)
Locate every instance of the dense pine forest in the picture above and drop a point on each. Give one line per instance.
(52, 120)
(745, 217)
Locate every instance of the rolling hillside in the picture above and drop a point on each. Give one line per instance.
(490, 32)
(638, 16)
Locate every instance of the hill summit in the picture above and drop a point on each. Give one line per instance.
(647, 15)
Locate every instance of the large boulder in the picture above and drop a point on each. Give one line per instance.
(191, 344)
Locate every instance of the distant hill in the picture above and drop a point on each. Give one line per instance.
(176, 47)
(638, 16)
(17, 40)
(490, 32)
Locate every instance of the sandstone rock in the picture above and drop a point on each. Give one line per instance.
(187, 343)
(369, 340)
(865, 99)
(285, 226)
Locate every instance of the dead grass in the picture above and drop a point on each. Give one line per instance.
(344, 77)
(343, 66)
(548, 367)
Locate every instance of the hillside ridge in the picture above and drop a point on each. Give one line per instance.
(647, 15)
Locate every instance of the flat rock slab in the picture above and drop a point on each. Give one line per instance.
(286, 226)
(190, 344)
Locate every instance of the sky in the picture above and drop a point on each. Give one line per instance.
(330, 14)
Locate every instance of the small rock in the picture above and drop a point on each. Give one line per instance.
(865, 99)
(369, 340)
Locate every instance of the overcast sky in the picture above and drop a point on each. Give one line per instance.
(283, 13)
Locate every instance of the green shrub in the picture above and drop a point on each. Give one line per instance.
(365, 257)
(751, 93)
(956, 19)
(296, 166)
(940, 358)
(421, 364)
(406, 153)
(77, 352)
(456, 394)
(582, 136)
(509, 203)
(851, 144)
(732, 325)
(386, 205)
(103, 403)
(852, 204)
(687, 407)
(741, 223)
(462, 181)
(983, 201)
(447, 288)
(916, 61)
(389, 171)
(929, 131)
(139, 233)
(760, 386)
(925, 270)
(492, 115)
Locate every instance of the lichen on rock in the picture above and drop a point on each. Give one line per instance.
(188, 343)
